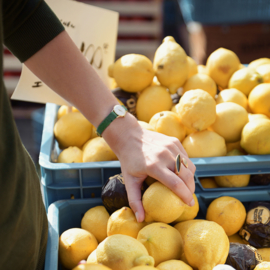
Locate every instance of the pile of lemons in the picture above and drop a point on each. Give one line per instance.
(169, 237)
(223, 105)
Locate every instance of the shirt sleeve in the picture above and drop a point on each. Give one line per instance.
(28, 25)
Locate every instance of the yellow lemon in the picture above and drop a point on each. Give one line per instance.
(173, 265)
(205, 143)
(255, 138)
(72, 129)
(122, 252)
(92, 258)
(259, 62)
(146, 125)
(259, 99)
(166, 210)
(239, 180)
(75, 245)
(221, 64)
(235, 238)
(168, 123)
(208, 182)
(201, 81)
(228, 212)
(230, 120)
(190, 212)
(234, 146)
(152, 100)
(155, 81)
(162, 241)
(232, 95)
(254, 117)
(262, 266)
(123, 221)
(171, 64)
(197, 110)
(192, 67)
(202, 69)
(206, 245)
(64, 109)
(264, 71)
(132, 72)
(143, 267)
(91, 266)
(149, 180)
(265, 253)
(71, 154)
(95, 221)
(245, 80)
(98, 150)
(94, 132)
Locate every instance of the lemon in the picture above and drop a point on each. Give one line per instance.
(259, 99)
(245, 80)
(132, 72)
(123, 221)
(92, 258)
(91, 266)
(64, 109)
(75, 245)
(72, 129)
(239, 180)
(95, 221)
(264, 71)
(192, 67)
(94, 132)
(190, 212)
(208, 183)
(166, 210)
(228, 212)
(155, 81)
(262, 266)
(98, 150)
(235, 238)
(232, 95)
(171, 64)
(265, 253)
(206, 245)
(143, 267)
(146, 125)
(230, 120)
(173, 265)
(201, 81)
(258, 62)
(255, 138)
(234, 146)
(149, 180)
(205, 143)
(202, 69)
(122, 252)
(254, 117)
(162, 241)
(152, 100)
(221, 64)
(71, 154)
(197, 110)
(168, 123)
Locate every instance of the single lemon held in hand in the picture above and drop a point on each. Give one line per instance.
(173, 265)
(197, 110)
(72, 129)
(171, 64)
(228, 212)
(95, 221)
(221, 64)
(162, 241)
(204, 143)
(238, 180)
(168, 123)
(206, 245)
(152, 100)
(75, 245)
(132, 72)
(122, 252)
(255, 138)
(166, 210)
(230, 120)
(123, 221)
(72, 154)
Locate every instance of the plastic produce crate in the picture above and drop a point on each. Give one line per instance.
(66, 214)
(37, 117)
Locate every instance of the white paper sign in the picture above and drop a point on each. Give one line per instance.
(93, 30)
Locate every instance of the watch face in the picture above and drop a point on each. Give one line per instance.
(119, 110)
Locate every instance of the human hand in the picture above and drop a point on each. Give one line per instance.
(141, 153)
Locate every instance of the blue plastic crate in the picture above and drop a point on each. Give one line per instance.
(37, 117)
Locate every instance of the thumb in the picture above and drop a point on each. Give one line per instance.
(133, 187)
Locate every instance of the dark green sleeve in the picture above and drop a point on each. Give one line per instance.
(28, 26)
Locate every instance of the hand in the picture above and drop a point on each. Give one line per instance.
(142, 153)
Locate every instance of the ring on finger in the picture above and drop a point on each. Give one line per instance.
(178, 162)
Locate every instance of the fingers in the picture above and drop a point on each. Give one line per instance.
(133, 188)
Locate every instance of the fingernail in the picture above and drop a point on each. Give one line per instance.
(137, 216)
(192, 203)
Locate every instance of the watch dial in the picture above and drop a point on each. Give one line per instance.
(119, 110)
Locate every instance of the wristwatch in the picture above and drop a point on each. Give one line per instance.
(118, 111)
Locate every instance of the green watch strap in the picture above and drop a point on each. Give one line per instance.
(107, 121)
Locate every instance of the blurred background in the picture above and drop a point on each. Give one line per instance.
(199, 26)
